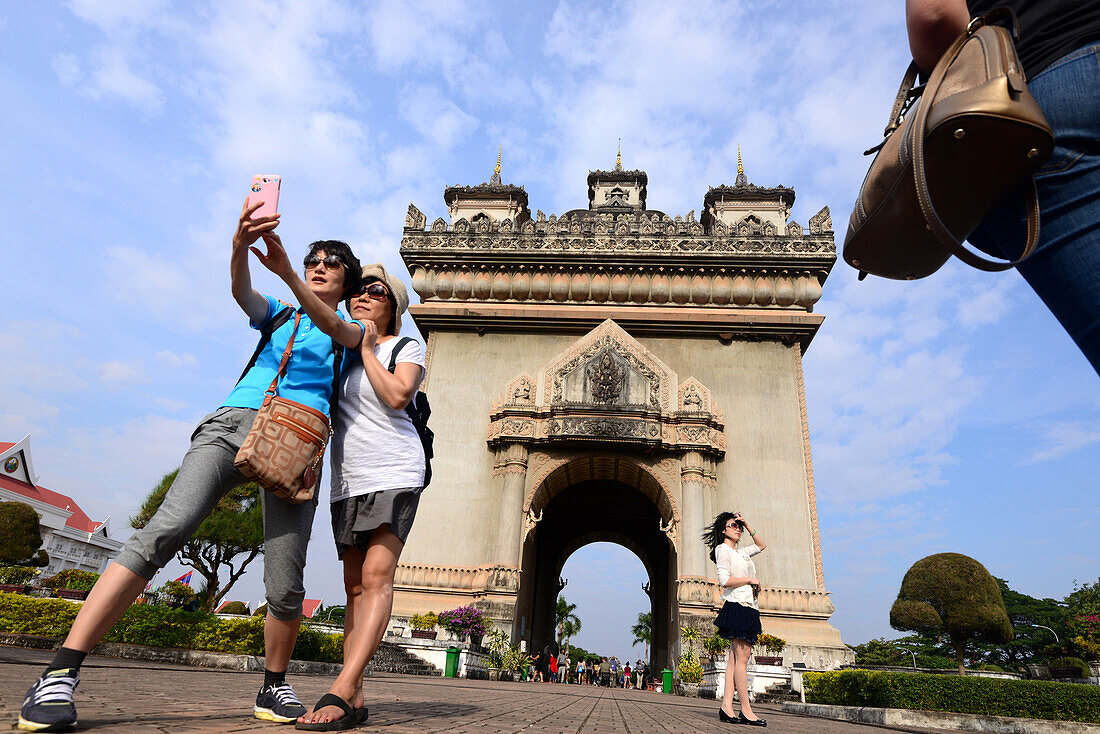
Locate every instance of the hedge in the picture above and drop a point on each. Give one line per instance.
(1031, 699)
(158, 626)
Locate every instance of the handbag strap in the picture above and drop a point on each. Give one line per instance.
(920, 124)
(286, 357)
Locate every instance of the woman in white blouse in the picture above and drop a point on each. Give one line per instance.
(739, 619)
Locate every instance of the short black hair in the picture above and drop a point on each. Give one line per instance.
(353, 270)
(391, 328)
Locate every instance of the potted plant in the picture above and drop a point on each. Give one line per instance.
(423, 625)
(72, 583)
(516, 662)
(463, 622)
(498, 647)
(773, 645)
(715, 648)
(691, 672)
(17, 579)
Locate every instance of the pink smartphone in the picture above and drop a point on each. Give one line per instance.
(265, 189)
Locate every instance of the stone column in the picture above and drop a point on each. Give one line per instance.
(512, 463)
(692, 476)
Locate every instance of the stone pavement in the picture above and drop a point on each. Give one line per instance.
(131, 696)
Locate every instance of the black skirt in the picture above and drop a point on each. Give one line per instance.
(353, 518)
(737, 621)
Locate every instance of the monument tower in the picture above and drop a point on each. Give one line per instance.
(617, 374)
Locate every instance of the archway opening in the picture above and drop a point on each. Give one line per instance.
(607, 582)
(591, 511)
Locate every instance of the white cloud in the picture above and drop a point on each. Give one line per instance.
(112, 76)
(1062, 438)
(435, 117)
(174, 360)
(123, 374)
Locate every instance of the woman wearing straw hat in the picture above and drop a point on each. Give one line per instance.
(377, 477)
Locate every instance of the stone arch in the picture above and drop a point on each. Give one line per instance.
(562, 473)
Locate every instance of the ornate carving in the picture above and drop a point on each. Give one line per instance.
(822, 222)
(606, 379)
(521, 394)
(439, 225)
(795, 602)
(414, 218)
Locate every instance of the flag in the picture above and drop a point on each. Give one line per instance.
(186, 578)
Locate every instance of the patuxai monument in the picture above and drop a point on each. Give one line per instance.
(617, 374)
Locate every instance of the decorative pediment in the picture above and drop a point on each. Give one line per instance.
(607, 387)
(608, 367)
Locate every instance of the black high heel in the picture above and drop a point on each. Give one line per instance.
(742, 719)
(726, 718)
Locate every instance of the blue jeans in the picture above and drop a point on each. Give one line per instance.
(1064, 270)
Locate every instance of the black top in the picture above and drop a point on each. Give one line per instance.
(1049, 29)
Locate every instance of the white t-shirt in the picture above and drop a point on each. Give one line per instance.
(374, 447)
(736, 562)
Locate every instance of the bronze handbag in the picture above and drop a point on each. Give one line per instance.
(974, 135)
(284, 448)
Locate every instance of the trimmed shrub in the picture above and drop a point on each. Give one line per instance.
(1072, 663)
(18, 574)
(158, 626)
(72, 578)
(235, 607)
(958, 694)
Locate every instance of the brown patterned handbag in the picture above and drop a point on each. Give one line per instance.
(283, 450)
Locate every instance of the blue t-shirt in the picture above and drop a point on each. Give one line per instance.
(308, 378)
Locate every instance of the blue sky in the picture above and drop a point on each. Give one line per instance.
(946, 414)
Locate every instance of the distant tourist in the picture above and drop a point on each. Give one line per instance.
(605, 673)
(739, 619)
(580, 671)
(563, 666)
(377, 477)
(207, 473)
(627, 682)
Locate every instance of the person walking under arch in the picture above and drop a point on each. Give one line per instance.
(739, 619)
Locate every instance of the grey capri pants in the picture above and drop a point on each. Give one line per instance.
(206, 474)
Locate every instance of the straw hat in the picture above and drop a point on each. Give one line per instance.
(396, 287)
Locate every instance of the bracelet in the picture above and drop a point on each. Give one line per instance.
(752, 533)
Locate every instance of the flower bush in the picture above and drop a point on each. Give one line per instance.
(426, 621)
(1086, 634)
(464, 621)
(771, 643)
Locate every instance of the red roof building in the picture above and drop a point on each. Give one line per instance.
(69, 536)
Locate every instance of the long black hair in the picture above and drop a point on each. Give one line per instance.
(715, 535)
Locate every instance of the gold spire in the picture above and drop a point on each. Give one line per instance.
(742, 179)
(619, 157)
(496, 171)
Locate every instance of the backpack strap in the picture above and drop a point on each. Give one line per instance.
(265, 336)
(337, 365)
(397, 348)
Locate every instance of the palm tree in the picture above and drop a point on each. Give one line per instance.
(643, 631)
(569, 624)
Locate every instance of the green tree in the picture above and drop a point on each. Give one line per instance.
(569, 624)
(643, 631)
(230, 537)
(1031, 643)
(20, 536)
(952, 595)
(879, 652)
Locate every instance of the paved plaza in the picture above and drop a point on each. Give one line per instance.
(133, 696)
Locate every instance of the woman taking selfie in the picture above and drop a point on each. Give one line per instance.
(377, 476)
(739, 619)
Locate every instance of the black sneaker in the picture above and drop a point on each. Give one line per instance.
(278, 703)
(48, 705)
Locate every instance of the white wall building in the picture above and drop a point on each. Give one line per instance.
(69, 536)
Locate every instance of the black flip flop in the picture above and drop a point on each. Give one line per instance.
(352, 717)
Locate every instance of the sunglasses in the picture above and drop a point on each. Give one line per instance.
(332, 262)
(375, 291)
(735, 524)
